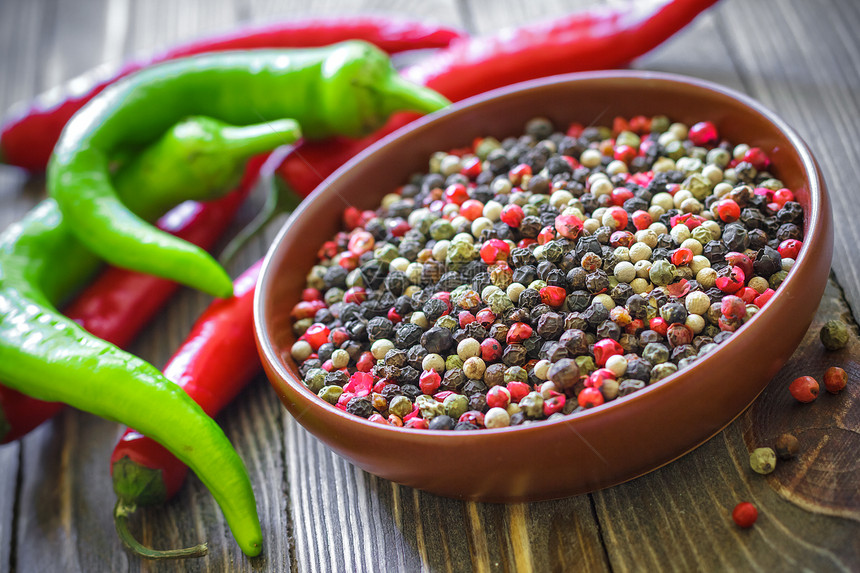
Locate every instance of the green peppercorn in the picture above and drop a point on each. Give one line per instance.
(386, 252)
(330, 393)
(516, 374)
(429, 407)
(655, 353)
(532, 405)
(763, 460)
(441, 229)
(400, 406)
(663, 370)
(834, 335)
(499, 302)
(302, 325)
(453, 362)
(486, 145)
(662, 272)
(456, 405)
(315, 379)
(585, 364)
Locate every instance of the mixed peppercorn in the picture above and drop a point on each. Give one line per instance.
(537, 276)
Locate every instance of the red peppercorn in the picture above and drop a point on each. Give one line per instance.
(338, 336)
(731, 282)
(365, 362)
(546, 235)
(747, 294)
(393, 316)
(728, 210)
(690, 220)
(553, 296)
(789, 248)
(621, 239)
(471, 167)
(415, 423)
(744, 514)
(486, 317)
(835, 379)
(351, 218)
(344, 399)
(310, 294)
(491, 349)
(456, 193)
(757, 157)
(554, 403)
(596, 378)
(568, 226)
(515, 175)
(703, 133)
(619, 215)
(783, 196)
(495, 250)
(590, 397)
(640, 124)
(398, 227)
(360, 242)
(465, 317)
(518, 390)
(307, 309)
(761, 299)
(429, 381)
(518, 332)
(804, 389)
(379, 385)
(473, 417)
(624, 153)
(621, 194)
(681, 256)
(524, 243)
(736, 259)
(642, 220)
(605, 348)
(355, 294)
(472, 209)
(658, 325)
(733, 307)
(512, 215)
(498, 397)
(348, 260)
(316, 335)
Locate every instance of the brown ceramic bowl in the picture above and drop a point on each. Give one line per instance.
(600, 447)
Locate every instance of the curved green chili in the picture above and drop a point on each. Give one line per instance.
(349, 89)
(48, 356)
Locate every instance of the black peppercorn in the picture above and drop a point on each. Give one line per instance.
(630, 385)
(437, 340)
(442, 422)
(529, 299)
(407, 334)
(514, 355)
(379, 328)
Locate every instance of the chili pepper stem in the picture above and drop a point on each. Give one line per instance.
(121, 513)
(280, 198)
(245, 141)
(398, 94)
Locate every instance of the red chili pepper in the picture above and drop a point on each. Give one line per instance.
(215, 362)
(606, 37)
(28, 136)
(119, 303)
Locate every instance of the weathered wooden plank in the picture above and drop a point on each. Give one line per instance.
(813, 85)
(825, 476)
(8, 494)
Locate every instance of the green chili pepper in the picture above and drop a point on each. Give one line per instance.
(349, 89)
(46, 355)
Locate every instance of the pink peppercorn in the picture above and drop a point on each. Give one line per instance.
(365, 362)
(783, 196)
(624, 153)
(310, 294)
(619, 216)
(736, 259)
(518, 332)
(491, 349)
(471, 167)
(620, 195)
(804, 389)
(733, 307)
(732, 281)
(554, 403)
(757, 157)
(512, 215)
(377, 419)
(495, 250)
(393, 316)
(553, 296)
(728, 210)
(590, 397)
(642, 220)
(498, 397)
(473, 417)
(416, 424)
(761, 299)
(605, 348)
(515, 175)
(744, 514)
(316, 335)
(465, 317)
(361, 242)
(681, 256)
(789, 248)
(429, 382)
(472, 209)
(703, 133)
(569, 226)
(355, 294)
(395, 420)
(596, 378)
(546, 235)
(518, 390)
(486, 317)
(456, 193)
(658, 325)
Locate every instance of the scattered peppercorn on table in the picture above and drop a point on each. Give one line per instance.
(318, 512)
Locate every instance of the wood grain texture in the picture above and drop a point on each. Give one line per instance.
(320, 513)
(825, 476)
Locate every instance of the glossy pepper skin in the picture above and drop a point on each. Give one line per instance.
(119, 303)
(602, 37)
(28, 134)
(49, 357)
(348, 89)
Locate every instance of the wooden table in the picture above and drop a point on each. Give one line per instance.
(319, 513)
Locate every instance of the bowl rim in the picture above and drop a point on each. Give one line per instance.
(814, 220)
